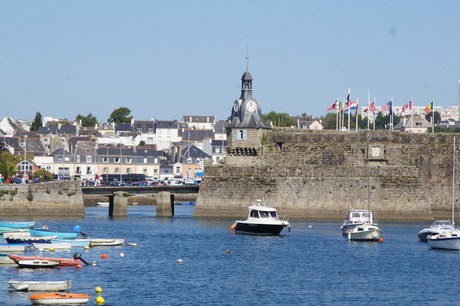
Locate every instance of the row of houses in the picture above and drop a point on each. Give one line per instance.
(156, 148)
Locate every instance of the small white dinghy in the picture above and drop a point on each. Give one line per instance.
(39, 285)
(106, 242)
(55, 246)
(59, 298)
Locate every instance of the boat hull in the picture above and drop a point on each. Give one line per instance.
(59, 235)
(259, 229)
(14, 247)
(365, 233)
(28, 240)
(37, 263)
(13, 224)
(63, 262)
(106, 242)
(40, 285)
(56, 246)
(75, 243)
(59, 299)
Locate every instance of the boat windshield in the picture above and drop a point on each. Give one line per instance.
(254, 214)
(441, 223)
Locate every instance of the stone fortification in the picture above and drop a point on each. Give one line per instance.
(308, 174)
(51, 199)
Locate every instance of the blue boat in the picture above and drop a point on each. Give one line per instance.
(12, 224)
(46, 232)
(75, 243)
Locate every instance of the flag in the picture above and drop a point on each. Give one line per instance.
(372, 107)
(351, 106)
(333, 106)
(341, 105)
(429, 108)
(390, 107)
(356, 114)
(407, 106)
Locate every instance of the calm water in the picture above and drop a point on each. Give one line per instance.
(311, 265)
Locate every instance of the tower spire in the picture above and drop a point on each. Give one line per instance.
(247, 58)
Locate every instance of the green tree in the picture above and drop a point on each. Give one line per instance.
(142, 143)
(120, 115)
(8, 163)
(329, 121)
(38, 122)
(88, 120)
(42, 175)
(278, 119)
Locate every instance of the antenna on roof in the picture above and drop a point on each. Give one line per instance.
(247, 58)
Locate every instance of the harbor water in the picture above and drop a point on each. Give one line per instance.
(310, 265)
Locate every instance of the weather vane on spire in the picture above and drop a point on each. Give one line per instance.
(247, 58)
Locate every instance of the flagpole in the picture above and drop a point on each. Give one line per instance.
(391, 115)
(412, 113)
(348, 104)
(343, 117)
(337, 115)
(373, 116)
(356, 114)
(368, 107)
(432, 115)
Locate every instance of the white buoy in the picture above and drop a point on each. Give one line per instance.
(180, 261)
(122, 254)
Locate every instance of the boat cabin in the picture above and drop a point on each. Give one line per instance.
(260, 212)
(359, 217)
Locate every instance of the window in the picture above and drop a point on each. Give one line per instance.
(144, 170)
(129, 160)
(78, 170)
(78, 158)
(241, 134)
(128, 170)
(88, 170)
(117, 170)
(89, 159)
(145, 160)
(150, 130)
(155, 171)
(106, 170)
(59, 159)
(177, 169)
(105, 159)
(116, 160)
(254, 214)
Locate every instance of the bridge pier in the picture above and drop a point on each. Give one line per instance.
(118, 205)
(165, 204)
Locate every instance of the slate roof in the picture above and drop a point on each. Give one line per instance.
(164, 124)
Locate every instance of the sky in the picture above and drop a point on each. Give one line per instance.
(166, 59)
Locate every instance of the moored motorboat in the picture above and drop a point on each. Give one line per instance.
(37, 263)
(106, 242)
(63, 262)
(14, 247)
(445, 240)
(365, 232)
(59, 298)
(434, 228)
(15, 238)
(64, 285)
(47, 232)
(55, 246)
(75, 243)
(5, 260)
(262, 220)
(6, 229)
(356, 217)
(448, 239)
(14, 224)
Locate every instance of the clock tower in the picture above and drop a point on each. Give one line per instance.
(246, 129)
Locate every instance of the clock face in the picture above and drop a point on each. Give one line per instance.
(236, 106)
(251, 106)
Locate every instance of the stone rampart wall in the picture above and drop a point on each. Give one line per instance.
(321, 174)
(51, 199)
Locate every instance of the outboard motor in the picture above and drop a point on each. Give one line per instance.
(78, 256)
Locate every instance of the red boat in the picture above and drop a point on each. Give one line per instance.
(63, 262)
(59, 298)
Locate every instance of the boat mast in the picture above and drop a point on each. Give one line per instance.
(453, 183)
(368, 185)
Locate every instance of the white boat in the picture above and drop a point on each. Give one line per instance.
(103, 204)
(262, 220)
(14, 247)
(5, 260)
(434, 228)
(39, 285)
(367, 231)
(106, 242)
(37, 263)
(448, 239)
(356, 217)
(56, 246)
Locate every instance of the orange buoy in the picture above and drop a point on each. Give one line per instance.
(232, 227)
(104, 256)
(381, 240)
(78, 266)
